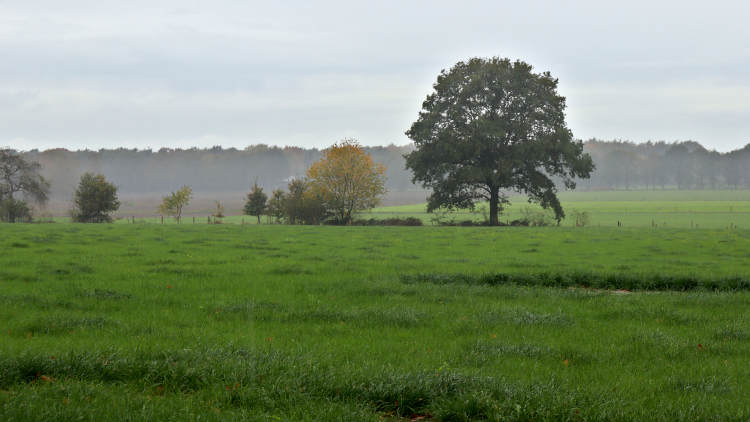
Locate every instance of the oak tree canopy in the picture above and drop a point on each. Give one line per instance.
(492, 125)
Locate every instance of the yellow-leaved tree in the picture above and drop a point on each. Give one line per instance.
(347, 180)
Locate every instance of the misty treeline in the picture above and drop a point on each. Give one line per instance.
(619, 165)
(663, 165)
(212, 170)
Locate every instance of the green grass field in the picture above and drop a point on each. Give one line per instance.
(665, 209)
(232, 322)
(676, 209)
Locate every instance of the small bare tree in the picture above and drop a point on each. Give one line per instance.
(174, 203)
(219, 213)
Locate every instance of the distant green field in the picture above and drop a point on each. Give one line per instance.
(670, 209)
(230, 322)
(679, 209)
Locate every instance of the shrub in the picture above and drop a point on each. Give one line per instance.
(302, 205)
(582, 218)
(275, 206)
(13, 210)
(538, 218)
(440, 217)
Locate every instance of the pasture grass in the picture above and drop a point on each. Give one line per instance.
(228, 322)
(638, 208)
(693, 209)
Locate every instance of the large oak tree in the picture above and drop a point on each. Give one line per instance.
(492, 125)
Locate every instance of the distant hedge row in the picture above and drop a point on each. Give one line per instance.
(613, 281)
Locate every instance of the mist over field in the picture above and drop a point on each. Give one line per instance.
(226, 174)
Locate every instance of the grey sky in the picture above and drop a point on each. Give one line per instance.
(180, 73)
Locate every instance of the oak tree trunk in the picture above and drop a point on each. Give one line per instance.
(494, 202)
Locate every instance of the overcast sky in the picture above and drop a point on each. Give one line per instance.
(104, 74)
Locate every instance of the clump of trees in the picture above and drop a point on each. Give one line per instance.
(302, 205)
(94, 200)
(175, 202)
(344, 181)
(20, 182)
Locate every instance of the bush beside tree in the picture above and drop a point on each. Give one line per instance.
(275, 206)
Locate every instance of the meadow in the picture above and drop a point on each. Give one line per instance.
(273, 322)
(636, 208)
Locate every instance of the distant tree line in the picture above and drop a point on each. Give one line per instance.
(618, 165)
(212, 170)
(663, 165)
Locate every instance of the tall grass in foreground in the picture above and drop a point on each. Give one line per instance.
(150, 322)
(616, 281)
